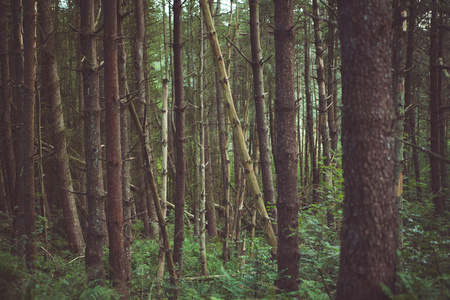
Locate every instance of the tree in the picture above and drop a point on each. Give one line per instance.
(27, 171)
(113, 150)
(50, 91)
(96, 234)
(180, 137)
(286, 159)
(8, 145)
(368, 246)
(263, 129)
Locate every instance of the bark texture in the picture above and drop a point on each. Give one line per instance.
(262, 128)
(368, 247)
(286, 160)
(29, 99)
(113, 151)
(96, 234)
(49, 83)
(180, 137)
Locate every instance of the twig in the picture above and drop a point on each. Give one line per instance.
(239, 50)
(431, 153)
(325, 285)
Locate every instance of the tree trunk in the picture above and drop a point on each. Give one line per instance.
(92, 142)
(231, 112)
(29, 43)
(126, 177)
(410, 122)
(285, 110)
(210, 209)
(368, 247)
(434, 110)
(180, 138)
(202, 204)
(263, 129)
(398, 66)
(8, 146)
(331, 100)
(50, 88)
(17, 76)
(113, 151)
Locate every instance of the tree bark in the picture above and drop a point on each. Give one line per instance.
(125, 155)
(286, 160)
(180, 138)
(231, 112)
(92, 142)
(17, 76)
(263, 129)
(51, 89)
(113, 151)
(410, 123)
(8, 157)
(434, 112)
(368, 247)
(29, 43)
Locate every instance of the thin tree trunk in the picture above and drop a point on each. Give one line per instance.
(310, 120)
(368, 246)
(17, 76)
(410, 122)
(126, 177)
(398, 66)
(210, 209)
(51, 89)
(8, 152)
(231, 112)
(113, 151)
(202, 204)
(332, 122)
(263, 129)
(434, 110)
(92, 142)
(180, 138)
(287, 202)
(29, 42)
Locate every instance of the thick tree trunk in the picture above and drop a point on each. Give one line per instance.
(285, 110)
(92, 142)
(113, 151)
(29, 42)
(263, 129)
(126, 177)
(180, 138)
(368, 247)
(231, 112)
(8, 146)
(50, 88)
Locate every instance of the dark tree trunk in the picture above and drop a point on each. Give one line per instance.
(17, 95)
(368, 247)
(126, 177)
(410, 122)
(8, 146)
(434, 111)
(29, 43)
(113, 151)
(180, 138)
(92, 144)
(331, 100)
(263, 129)
(286, 160)
(49, 83)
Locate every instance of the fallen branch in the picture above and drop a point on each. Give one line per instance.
(429, 152)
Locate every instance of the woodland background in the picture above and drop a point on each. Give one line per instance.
(133, 165)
